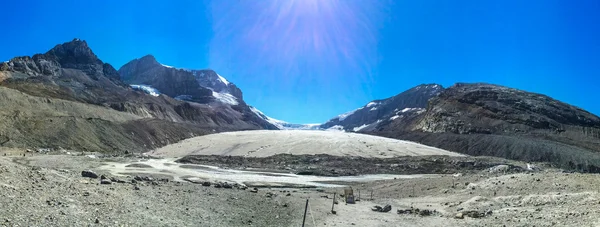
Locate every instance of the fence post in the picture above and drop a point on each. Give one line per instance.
(305, 209)
(333, 204)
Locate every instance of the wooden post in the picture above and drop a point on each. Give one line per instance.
(371, 195)
(333, 204)
(305, 209)
(358, 195)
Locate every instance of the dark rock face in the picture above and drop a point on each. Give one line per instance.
(198, 86)
(484, 108)
(72, 72)
(170, 81)
(491, 120)
(380, 111)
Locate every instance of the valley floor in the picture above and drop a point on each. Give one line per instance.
(49, 190)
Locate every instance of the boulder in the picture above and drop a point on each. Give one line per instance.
(459, 215)
(89, 174)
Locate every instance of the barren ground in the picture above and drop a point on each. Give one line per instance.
(48, 190)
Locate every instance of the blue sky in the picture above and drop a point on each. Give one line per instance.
(305, 61)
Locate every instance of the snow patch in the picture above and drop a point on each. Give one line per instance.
(225, 98)
(145, 88)
(336, 128)
(394, 117)
(356, 129)
(372, 104)
(374, 108)
(168, 66)
(410, 109)
(222, 79)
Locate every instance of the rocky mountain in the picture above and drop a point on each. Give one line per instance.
(196, 86)
(492, 120)
(67, 97)
(202, 86)
(407, 103)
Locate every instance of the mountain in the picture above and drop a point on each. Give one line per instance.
(284, 125)
(67, 97)
(492, 120)
(196, 86)
(373, 113)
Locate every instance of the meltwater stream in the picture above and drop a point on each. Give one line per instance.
(181, 172)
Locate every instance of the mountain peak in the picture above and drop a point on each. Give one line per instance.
(74, 52)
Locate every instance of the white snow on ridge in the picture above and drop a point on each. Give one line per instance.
(145, 88)
(343, 116)
(374, 108)
(372, 104)
(411, 109)
(168, 66)
(282, 124)
(273, 121)
(225, 98)
(223, 79)
(394, 117)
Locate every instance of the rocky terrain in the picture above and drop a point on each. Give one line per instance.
(82, 189)
(489, 120)
(68, 98)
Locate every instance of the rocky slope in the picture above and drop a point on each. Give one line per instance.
(48, 98)
(485, 119)
(195, 86)
(369, 116)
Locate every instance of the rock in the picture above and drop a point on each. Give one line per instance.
(499, 169)
(89, 174)
(117, 180)
(206, 183)
(474, 214)
(254, 190)
(136, 188)
(102, 177)
(377, 208)
(86, 193)
(387, 208)
(227, 185)
(105, 181)
(459, 215)
(405, 211)
(425, 212)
